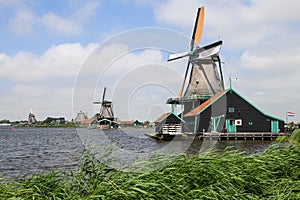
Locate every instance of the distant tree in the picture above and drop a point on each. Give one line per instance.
(146, 123)
(97, 116)
(4, 121)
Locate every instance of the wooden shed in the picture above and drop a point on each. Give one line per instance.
(169, 123)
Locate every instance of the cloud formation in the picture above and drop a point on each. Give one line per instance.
(42, 83)
(261, 47)
(25, 20)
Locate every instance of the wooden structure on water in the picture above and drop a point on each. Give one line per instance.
(239, 136)
(207, 107)
(229, 112)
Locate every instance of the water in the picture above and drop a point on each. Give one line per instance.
(25, 151)
(28, 150)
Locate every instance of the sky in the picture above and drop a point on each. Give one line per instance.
(57, 56)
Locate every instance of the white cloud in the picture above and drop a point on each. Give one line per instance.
(22, 23)
(85, 12)
(176, 12)
(129, 77)
(25, 20)
(29, 91)
(58, 61)
(43, 83)
(72, 24)
(58, 24)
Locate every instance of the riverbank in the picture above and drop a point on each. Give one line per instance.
(273, 174)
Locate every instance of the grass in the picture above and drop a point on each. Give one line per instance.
(294, 138)
(274, 174)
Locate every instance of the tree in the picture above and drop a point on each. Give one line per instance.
(146, 123)
(4, 121)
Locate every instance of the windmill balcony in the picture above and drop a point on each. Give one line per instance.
(180, 100)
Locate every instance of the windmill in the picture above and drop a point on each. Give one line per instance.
(206, 77)
(205, 81)
(105, 115)
(31, 118)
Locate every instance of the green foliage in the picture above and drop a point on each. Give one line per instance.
(146, 123)
(274, 174)
(296, 136)
(4, 121)
(282, 138)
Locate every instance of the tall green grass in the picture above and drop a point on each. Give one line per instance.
(294, 138)
(275, 174)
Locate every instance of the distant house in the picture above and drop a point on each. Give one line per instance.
(130, 123)
(55, 120)
(90, 123)
(228, 111)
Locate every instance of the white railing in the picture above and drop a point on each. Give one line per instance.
(172, 129)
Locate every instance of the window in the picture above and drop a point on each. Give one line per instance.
(231, 109)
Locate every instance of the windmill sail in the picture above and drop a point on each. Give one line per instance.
(208, 51)
(195, 37)
(198, 25)
(198, 53)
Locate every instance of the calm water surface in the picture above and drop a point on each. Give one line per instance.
(26, 151)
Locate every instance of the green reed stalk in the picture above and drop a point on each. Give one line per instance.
(274, 174)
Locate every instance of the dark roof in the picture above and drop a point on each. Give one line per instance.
(165, 115)
(204, 105)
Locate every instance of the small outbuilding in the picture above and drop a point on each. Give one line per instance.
(169, 123)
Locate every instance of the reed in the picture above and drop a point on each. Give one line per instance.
(274, 174)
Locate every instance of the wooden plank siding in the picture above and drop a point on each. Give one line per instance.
(253, 120)
(231, 106)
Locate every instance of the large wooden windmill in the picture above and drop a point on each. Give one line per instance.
(106, 114)
(204, 68)
(205, 80)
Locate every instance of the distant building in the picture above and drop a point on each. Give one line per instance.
(130, 123)
(89, 123)
(81, 116)
(55, 120)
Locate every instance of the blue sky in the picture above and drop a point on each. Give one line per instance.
(30, 25)
(46, 44)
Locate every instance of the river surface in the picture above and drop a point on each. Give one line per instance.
(25, 151)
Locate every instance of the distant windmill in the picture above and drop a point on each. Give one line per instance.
(106, 108)
(205, 77)
(31, 118)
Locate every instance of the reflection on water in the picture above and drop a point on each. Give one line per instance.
(31, 150)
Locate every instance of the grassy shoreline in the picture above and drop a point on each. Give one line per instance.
(274, 174)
